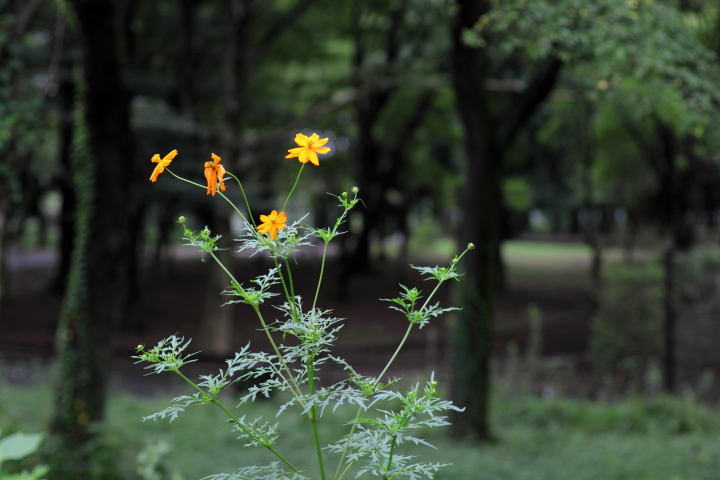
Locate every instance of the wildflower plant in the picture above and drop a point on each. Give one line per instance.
(375, 436)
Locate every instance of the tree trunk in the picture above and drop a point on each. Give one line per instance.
(480, 203)
(96, 293)
(216, 328)
(673, 218)
(592, 224)
(64, 182)
(487, 135)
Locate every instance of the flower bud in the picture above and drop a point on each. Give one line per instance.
(471, 246)
(344, 194)
(181, 220)
(355, 189)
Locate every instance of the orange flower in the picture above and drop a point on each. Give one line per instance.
(161, 164)
(272, 223)
(214, 173)
(309, 148)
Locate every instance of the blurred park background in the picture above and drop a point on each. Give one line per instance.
(574, 143)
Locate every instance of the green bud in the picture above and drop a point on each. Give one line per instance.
(471, 246)
(344, 194)
(355, 189)
(181, 220)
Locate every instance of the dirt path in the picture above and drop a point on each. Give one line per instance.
(172, 298)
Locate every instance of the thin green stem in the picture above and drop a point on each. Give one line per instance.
(232, 279)
(277, 352)
(252, 435)
(392, 359)
(313, 417)
(219, 193)
(285, 289)
(290, 280)
(346, 469)
(247, 204)
(397, 350)
(293, 188)
(267, 332)
(392, 448)
(338, 222)
(347, 442)
(322, 270)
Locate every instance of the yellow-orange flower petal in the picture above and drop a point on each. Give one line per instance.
(161, 164)
(309, 148)
(272, 223)
(214, 173)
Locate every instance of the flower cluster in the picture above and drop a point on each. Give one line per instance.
(215, 173)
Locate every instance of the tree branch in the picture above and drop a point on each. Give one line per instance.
(284, 21)
(528, 102)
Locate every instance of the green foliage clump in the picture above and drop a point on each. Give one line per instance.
(626, 330)
(661, 416)
(698, 296)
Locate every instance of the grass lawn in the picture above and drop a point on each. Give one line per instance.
(661, 439)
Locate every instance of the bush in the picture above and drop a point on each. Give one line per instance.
(627, 328)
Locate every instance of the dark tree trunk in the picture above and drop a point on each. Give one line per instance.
(96, 294)
(592, 225)
(673, 218)
(65, 182)
(487, 135)
(187, 61)
(216, 327)
(480, 202)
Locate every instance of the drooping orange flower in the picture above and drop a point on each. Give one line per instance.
(309, 148)
(161, 164)
(214, 173)
(272, 223)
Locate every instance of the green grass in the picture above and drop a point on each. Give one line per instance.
(660, 439)
(523, 249)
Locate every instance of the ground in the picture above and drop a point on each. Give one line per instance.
(173, 297)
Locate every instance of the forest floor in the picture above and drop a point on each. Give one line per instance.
(173, 296)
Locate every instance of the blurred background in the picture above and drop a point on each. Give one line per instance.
(574, 143)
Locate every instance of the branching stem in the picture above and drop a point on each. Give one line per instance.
(249, 432)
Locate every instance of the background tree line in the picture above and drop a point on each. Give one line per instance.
(478, 111)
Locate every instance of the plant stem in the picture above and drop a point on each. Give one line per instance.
(313, 417)
(392, 359)
(277, 352)
(322, 270)
(397, 350)
(392, 447)
(219, 193)
(287, 294)
(338, 222)
(247, 204)
(267, 332)
(252, 435)
(232, 279)
(346, 469)
(347, 442)
(290, 280)
(293, 188)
